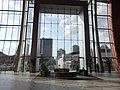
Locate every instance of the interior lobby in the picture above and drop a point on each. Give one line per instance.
(44, 42)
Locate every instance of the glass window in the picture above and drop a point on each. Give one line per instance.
(6, 47)
(104, 36)
(91, 33)
(61, 19)
(4, 19)
(18, 5)
(48, 18)
(102, 22)
(54, 53)
(81, 48)
(11, 4)
(1, 45)
(91, 49)
(9, 33)
(2, 33)
(74, 42)
(28, 46)
(29, 30)
(16, 34)
(53, 17)
(105, 50)
(0, 17)
(90, 20)
(10, 19)
(42, 30)
(74, 30)
(54, 31)
(68, 47)
(13, 48)
(47, 30)
(80, 32)
(31, 5)
(1, 4)
(5, 4)
(61, 44)
(10, 16)
(61, 33)
(17, 19)
(42, 18)
(74, 20)
(30, 15)
(101, 8)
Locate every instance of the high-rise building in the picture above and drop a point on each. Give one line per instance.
(46, 48)
(60, 52)
(75, 48)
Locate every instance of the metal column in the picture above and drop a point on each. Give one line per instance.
(33, 55)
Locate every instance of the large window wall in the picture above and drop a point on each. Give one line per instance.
(61, 27)
(62, 24)
(104, 34)
(103, 17)
(10, 27)
(10, 21)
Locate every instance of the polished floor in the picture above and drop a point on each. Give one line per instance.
(27, 81)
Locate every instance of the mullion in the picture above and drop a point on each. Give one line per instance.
(64, 32)
(57, 27)
(51, 25)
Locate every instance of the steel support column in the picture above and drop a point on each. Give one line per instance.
(97, 38)
(93, 34)
(32, 60)
(87, 37)
(19, 49)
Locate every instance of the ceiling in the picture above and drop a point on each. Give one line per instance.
(60, 9)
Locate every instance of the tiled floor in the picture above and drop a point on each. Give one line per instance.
(26, 81)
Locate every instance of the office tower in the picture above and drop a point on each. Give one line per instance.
(75, 48)
(46, 48)
(60, 52)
